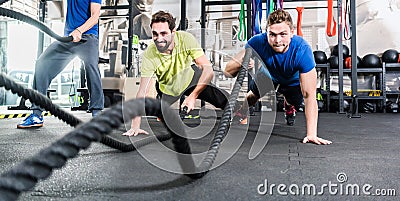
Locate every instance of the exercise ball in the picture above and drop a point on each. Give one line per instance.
(334, 62)
(320, 57)
(346, 51)
(347, 62)
(371, 61)
(390, 56)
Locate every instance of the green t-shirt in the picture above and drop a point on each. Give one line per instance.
(173, 71)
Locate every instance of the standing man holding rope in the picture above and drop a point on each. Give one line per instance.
(170, 58)
(290, 64)
(82, 24)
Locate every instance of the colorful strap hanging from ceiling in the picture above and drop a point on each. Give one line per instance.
(329, 30)
(299, 19)
(269, 4)
(347, 21)
(257, 16)
(278, 4)
(242, 36)
(272, 5)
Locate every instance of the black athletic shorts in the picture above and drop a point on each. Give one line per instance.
(262, 84)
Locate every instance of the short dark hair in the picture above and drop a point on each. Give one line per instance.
(162, 16)
(280, 16)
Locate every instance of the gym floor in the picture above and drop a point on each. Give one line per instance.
(361, 164)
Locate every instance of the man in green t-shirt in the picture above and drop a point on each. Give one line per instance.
(170, 59)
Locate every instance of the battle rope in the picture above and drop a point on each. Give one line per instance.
(45, 103)
(12, 188)
(38, 99)
(224, 123)
(71, 120)
(24, 18)
(26, 174)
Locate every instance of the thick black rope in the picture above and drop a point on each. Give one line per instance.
(71, 120)
(25, 175)
(223, 126)
(109, 141)
(205, 165)
(24, 18)
(45, 103)
(38, 99)
(224, 123)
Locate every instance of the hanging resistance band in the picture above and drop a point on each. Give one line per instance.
(257, 16)
(347, 22)
(242, 27)
(329, 30)
(299, 19)
(278, 4)
(268, 8)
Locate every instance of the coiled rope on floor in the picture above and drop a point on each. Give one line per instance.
(25, 175)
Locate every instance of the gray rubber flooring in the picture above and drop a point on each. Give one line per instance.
(362, 163)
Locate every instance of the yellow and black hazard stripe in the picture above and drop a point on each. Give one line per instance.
(20, 115)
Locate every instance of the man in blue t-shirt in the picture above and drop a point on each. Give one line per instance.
(287, 61)
(81, 23)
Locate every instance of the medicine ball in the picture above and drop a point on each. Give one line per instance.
(347, 62)
(320, 57)
(371, 61)
(346, 51)
(334, 62)
(390, 56)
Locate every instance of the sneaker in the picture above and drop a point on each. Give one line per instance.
(32, 121)
(95, 112)
(290, 114)
(241, 118)
(189, 116)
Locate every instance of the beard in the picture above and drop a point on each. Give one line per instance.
(162, 46)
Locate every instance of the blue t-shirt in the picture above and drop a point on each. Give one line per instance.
(78, 12)
(283, 68)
